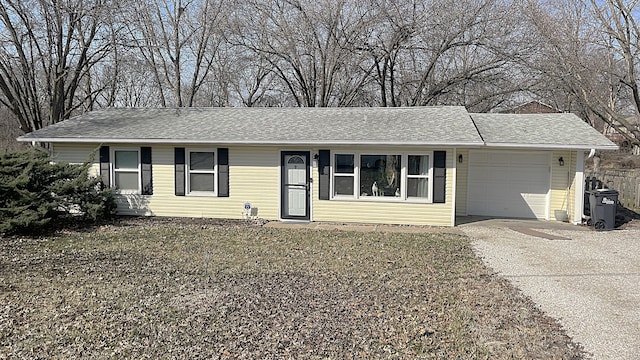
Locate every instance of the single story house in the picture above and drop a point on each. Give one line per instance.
(411, 165)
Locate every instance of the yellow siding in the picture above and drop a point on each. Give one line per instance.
(379, 212)
(254, 176)
(77, 154)
(387, 212)
(462, 174)
(562, 183)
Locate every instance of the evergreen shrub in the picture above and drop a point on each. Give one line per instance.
(37, 195)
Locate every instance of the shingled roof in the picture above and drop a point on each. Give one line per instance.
(565, 130)
(450, 125)
(405, 126)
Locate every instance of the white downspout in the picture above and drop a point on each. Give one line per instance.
(454, 169)
(579, 188)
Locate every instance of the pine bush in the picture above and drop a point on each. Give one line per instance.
(37, 194)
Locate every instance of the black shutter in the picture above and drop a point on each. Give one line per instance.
(179, 161)
(439, 176)
(105, 171)
(223, 172)
(324, 162)
(147, 175)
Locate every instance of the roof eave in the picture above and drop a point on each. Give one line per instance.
(553, 146)
(318, 143)
(249, 143)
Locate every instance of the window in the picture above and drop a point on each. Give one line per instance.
(126, 170)
(201, 173)
(344, 177)
(418, 176)
(387, 177)
(380, 175)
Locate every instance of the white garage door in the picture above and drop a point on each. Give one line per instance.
(508, 184)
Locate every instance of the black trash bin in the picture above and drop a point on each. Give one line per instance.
(603, 203)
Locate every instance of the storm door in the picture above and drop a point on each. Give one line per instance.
(295, 186)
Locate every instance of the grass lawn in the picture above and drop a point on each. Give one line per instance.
(205, 289)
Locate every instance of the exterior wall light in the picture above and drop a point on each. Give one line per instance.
(561, 161)
(460, 158)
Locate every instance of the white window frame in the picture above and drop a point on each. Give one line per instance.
(354, 176)
(114, 171)
(429, 177)
(404, 162)
(188, 172)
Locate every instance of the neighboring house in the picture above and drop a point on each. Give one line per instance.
(416, 165)
(632, 120)
(618, 135)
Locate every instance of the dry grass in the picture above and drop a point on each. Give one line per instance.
(198, 289)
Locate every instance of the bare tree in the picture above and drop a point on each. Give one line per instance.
(450, 53)
(622, 39)
(9, 132)
(309, 45)
(588, 60)
(48, 50)
(253, 79)
(179, 40)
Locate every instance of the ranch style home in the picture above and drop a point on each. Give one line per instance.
(411, 165)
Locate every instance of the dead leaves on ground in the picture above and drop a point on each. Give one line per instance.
(187, 289)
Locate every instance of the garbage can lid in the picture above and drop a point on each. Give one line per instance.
(606, 191)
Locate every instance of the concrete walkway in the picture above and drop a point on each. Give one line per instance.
(589, 281)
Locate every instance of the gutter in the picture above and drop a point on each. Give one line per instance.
(552, 146)
(470, 144)
(247, 143)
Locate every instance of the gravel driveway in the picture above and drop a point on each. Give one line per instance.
(589, 281)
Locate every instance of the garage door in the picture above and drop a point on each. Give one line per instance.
(508, 184)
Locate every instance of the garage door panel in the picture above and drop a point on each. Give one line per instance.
(508, 184)
(517, 207)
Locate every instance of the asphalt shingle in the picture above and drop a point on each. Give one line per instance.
(539, 130)
(450, 125)
(420, 126)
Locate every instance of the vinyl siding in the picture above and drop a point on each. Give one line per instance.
(254, 176)
(371, 211)
(562, 183)
(77, 154)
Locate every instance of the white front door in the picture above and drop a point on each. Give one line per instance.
(295, 185)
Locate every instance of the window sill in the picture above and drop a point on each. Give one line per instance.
(201, 194)
(127, 192)
(382, 199)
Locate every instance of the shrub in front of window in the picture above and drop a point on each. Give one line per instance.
(36, 193)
